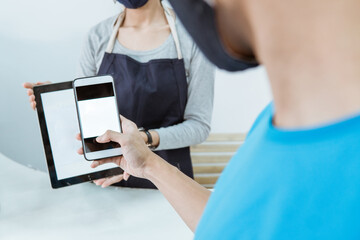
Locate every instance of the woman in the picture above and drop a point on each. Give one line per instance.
(163, 83)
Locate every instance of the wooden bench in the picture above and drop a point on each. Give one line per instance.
(210, 158)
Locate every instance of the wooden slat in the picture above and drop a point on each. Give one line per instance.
(226, 137)
(206, 178)
(209, 168)
(215, 148)
(210, 158)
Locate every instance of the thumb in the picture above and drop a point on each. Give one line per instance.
(108, 136)
(28, 85)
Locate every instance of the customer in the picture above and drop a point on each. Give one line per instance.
(297, 175)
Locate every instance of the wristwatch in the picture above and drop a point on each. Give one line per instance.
(149, 141)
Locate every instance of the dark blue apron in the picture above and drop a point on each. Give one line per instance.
(152, 94)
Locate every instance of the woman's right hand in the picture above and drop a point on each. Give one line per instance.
(30, 92)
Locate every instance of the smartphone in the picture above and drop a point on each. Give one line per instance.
(98, 112)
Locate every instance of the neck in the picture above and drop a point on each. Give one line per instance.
(314, 68)
(151, 13)
(314, 97)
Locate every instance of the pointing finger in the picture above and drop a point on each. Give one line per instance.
(127, 125)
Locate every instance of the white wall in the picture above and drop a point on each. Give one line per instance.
(40, 40)
(239, 98)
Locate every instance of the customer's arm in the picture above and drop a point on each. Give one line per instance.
(184, 194)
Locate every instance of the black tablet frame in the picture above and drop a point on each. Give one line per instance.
(55, 183)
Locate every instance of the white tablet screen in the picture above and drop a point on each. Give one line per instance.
(62, 125)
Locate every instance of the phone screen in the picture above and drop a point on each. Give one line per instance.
(98, 112)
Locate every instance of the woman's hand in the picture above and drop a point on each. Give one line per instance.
(136, 155)
(30, 92)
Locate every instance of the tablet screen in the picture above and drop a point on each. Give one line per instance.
(62, 125)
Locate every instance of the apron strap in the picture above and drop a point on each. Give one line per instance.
(114, 33)
(170, 17)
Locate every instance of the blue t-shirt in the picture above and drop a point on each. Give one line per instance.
(283, 184)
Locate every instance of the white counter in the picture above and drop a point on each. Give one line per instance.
(31, 209)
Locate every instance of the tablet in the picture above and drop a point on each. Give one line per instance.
(58, 121)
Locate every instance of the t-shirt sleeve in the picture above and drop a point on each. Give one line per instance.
(87, 61)
(198, 111)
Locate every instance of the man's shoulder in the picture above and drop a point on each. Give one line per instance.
(265, 114)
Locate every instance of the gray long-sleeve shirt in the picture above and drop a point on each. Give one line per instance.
(200, 78)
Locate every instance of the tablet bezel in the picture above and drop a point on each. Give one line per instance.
(55, 183)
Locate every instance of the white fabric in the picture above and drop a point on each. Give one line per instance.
(114, 33)
(31, 209)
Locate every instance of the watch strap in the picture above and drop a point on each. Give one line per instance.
(149, 141)
(149, 137)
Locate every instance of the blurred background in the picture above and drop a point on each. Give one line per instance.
(40, 40)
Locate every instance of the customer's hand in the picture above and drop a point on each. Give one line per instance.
(30, 92)
(104, 182)
(136, 155)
